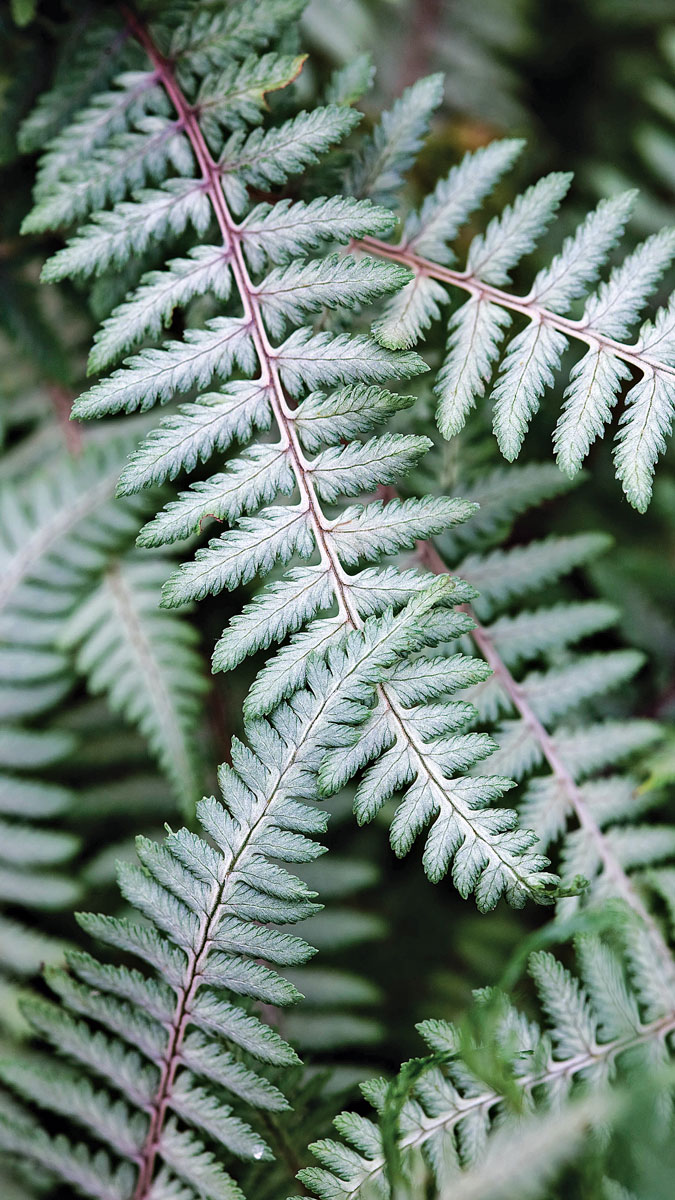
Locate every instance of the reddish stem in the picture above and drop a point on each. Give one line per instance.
(62, 403)
(526, 305)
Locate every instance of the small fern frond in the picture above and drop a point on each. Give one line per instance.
(67, 579)
(144, 660)
(454, 1111)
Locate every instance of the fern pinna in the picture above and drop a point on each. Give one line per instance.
(420, 748)
(527, 364)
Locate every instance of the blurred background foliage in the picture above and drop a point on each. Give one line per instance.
(591, 85)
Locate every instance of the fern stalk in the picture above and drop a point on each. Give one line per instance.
(62, 403)
(231, 234)
(581, 329)
(618, 877)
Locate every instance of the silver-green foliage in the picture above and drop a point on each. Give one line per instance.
(168, 1064)
(516, 368)
(306, 400)
(66, 577)
(62, 533)
(167, 1041)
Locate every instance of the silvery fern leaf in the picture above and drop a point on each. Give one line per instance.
(188, 1014)
(156, 375)
(287, 294)
(277, 232)
(410, 312)
(455, 198)
(129, 160)
(130, 228)
(310, 387)
(203, 40)
(267, 158)
(532, 357)
(135, 95)
(62, 530)
(35, 877)
(543, 698)
(145, 661)
(235, 96)
(195, 432)
(392, 148)
(258, 475)
(205, 270)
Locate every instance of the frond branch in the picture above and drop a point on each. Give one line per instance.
(556, 1071)
(581, 330)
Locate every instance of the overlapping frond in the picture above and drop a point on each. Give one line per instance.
(171, 1043)
(544, 702)
(35, 866)
(509, 346)
(67, 580)
(145, 661)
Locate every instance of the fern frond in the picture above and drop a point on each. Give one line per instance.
(270, 293)
(35, 857)
(144, 660)
(448, 1108)
(545, 732)
(212, 907)
(66, 580)
(531, 357)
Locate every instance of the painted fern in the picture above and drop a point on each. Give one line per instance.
(212, 907)
(312, 395)
(200, 204)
